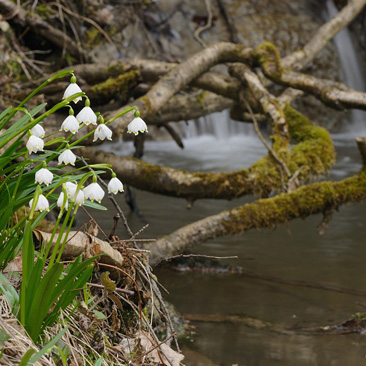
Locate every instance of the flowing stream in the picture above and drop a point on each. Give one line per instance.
(293, 251)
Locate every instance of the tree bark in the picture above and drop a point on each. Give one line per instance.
(314, 155)
(264, 213)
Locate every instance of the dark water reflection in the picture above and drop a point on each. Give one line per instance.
(293, 252)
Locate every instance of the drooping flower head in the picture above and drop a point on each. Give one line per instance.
(42, 203)
(94, 192)
(102, 131)
(70, 123)
(60, 201)
(38, 131)
(115, 185)
(43, 176)
(34, 144)
(72, 89)
(71, 189)
(137, 125)
(67, 157)
(86, 115)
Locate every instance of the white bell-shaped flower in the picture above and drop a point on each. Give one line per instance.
(102, 132)
(60, 201)
(34, 144)
(38, 131)
(94, 192)
(70, 188)
(78, 198)
(115, 185)
(137, 125)
(70, 124)
(44, 176)
(42, 203)
(87, 116)
(72, 89)
(67, 157)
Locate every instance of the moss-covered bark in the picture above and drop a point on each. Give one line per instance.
(314, 154)
(118, 87)
(269, 212)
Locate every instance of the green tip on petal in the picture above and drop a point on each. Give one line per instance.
(87, 102)
(137, 113)
(73, 79)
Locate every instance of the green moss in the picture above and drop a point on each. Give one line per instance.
(201, 97)
(269, 58)
(93, 37)
(305, 201)
(115, 87)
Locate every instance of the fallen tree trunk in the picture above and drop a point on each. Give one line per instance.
(313, 155)
(305, 201)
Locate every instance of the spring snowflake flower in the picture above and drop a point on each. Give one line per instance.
(70, 124)
(137, 125)
(102, 132)
(42, 203)
(78, 198)
(38, 131)
(60, 201)
(44, 176)
(86, 115)
(115, 185)
(72, 89)
(34, 144)
(71, 188)
(94, 192)
(67, 157)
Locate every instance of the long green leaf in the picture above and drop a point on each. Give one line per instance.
(41, 301)
(47, 347)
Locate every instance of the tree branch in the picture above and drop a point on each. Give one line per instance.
(303, 202)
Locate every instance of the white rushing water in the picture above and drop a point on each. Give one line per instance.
(354, 75)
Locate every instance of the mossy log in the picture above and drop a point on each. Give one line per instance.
(313, 154)
(181, 76)
(305, 201)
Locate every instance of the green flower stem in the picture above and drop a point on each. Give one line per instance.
(19, 177)
(41, 117)
(59, 75)
(67, 234)
(59, 237)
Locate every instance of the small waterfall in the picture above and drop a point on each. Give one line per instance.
(218, 124)
(354, 76)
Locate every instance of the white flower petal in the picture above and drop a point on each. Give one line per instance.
(137, 125)
(67, 157)
(60, 201)
(115, 186)
(34, 144)
(44, 176)
(94, 192)
(72, 89)
(102, 132)
(79, 199)
(87, 116)
(38, 131)
(70, 124)
(42, 203)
